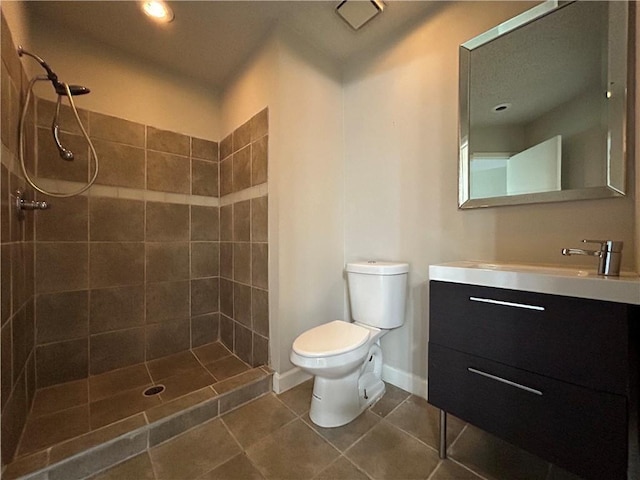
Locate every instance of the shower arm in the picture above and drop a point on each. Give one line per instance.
(50, 73)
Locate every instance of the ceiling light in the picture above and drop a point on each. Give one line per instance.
(158, 11)
(358, 12)
(501, 107)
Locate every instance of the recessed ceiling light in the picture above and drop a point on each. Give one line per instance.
(158, 11)
(501, 107)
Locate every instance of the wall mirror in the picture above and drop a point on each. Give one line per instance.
(543, 105)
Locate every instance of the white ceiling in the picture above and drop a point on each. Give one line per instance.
(210, 40)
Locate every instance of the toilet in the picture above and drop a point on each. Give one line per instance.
(345, 357)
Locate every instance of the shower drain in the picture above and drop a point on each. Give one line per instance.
(155, 390)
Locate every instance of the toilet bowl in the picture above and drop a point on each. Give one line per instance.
(346, 358)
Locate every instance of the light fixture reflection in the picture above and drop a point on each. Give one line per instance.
(158, 11)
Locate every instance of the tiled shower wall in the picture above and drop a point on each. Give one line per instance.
(244, 304)
(17, 373)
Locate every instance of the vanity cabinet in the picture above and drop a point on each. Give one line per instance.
(552, 374)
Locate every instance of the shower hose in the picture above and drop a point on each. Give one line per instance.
(84, 133)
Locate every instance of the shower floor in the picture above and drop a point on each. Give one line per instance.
(68, 418)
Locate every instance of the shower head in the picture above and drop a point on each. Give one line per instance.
(57, 85)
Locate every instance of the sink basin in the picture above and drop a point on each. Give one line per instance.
(555, 280)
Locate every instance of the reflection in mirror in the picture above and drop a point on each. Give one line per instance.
(542, 106)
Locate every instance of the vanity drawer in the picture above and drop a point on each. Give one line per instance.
(578, 429)
(580, 341)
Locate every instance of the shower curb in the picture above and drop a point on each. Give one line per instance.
(116, 450)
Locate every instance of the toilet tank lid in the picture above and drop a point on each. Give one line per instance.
(375, 267)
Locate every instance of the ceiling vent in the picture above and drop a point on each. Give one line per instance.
(358, 12)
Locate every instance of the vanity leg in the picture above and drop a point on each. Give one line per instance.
(442, 447)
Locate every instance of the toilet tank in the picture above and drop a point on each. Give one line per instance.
(378, 292)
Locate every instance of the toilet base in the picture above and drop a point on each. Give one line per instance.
(338, 401)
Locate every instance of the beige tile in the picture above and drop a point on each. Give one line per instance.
(204, 295)
(95, 437)
(417, 417)
(226, 146)
(242, 136)
(257, 419)
(62, 316)
(242, 169)
(66, 220)
(260, 265)
(167, 301)
(260, 350)
(114, 264)
(62, 362)
(494, 458)
(204, 178)
(66, 119)
(246, 393)
(122, 405)
(179, 404)
(205, 259)
(167, 222)
(179, 423)
(294, 451)
(25, 465)
(185, 383)
(226, 331)
(50, 429)
(194, 453)
(168, 173)
(392, 397)
(204, 329)
(178, 364)
(259, 219)
(238, 468)
(120, 165)
(341, 469)
(117, 349)
(226, 176)
(61, 266)
(167, 261)
(211, 353)
(450, 470)
(226, 223)
(167, 338)
(259, 161)
(167, 141)
(298, 398)
(50, 165)
(13, 418)
(111, 383)
(239, 381)
(116, 220)
(116, 308)
(388, 453)
(138, 468)
(205, 149)
(345, 436)
(226, 367)
(205, 223)
(116, 129)
(260, 311)
(242, 221)
(260, 124)
(60, 397)
(242, 262)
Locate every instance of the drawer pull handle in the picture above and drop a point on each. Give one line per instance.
(506, 304)
(504, 380)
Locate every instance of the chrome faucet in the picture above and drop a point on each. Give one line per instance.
(610, 254)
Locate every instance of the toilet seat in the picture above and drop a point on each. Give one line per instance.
(333, 338)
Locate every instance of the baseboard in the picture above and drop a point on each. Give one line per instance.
(289, 379)
(405, 380)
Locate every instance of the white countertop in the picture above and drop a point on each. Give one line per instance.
(570, 282)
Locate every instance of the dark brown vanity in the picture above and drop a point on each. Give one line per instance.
(553, 374)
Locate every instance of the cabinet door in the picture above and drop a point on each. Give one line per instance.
(571, 339)
(576, 428)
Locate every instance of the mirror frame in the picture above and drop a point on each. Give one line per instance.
(616, 185)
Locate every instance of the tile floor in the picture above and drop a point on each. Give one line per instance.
(272, 437)
(66, 411)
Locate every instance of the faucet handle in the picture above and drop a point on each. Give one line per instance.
(607, 245)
